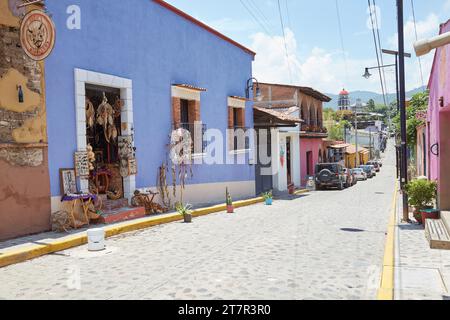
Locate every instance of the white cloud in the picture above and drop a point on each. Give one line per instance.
(425, 29)
(322, 70)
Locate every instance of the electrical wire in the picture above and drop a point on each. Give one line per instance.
(341, 36)
(377, 51)
(380, 50)
(285, 42)
(255, 18)
(261, 14)
(417, 38)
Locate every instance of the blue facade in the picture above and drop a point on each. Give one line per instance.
(155, 48)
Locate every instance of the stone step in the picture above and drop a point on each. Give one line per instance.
(122, 214)
(109, 205)
(445, 216)
(437, 234)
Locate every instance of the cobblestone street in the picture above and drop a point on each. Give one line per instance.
(324, 245)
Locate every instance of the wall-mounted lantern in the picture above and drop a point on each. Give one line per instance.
(441, 102)
(250, 86)
(20, 94)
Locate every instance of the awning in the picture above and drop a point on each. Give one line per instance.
(340, 146)
(264, 117)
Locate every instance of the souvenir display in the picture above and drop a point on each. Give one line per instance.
(82, 164)
(105, 118)
(68, 181)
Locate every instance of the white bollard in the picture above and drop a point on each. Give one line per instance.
(96, 239)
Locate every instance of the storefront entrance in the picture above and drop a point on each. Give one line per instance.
(103, 127)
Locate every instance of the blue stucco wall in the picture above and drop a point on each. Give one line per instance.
(154, 47)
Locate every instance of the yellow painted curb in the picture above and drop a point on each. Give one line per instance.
(386, 291)
(35, 251)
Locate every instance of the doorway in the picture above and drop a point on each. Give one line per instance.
(263, 180)
(309, 163)
(103, 127)
(288, 161)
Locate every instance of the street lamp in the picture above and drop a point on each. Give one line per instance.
(367, 74)
(258, 94)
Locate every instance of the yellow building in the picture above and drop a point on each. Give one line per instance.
(350, 156)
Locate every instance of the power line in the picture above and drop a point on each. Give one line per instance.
(261, 14)
(417, 38)
(380, 50)
(377, 51)
(341, 36)
(285, 43)
(255, 18)
(288, 14)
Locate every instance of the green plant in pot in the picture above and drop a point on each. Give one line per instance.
(229, 201)
(268, 198)
(185, 211)
(422, 196)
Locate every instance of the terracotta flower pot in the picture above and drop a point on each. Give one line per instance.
(291, 189)
(230, 208)
(429, 214)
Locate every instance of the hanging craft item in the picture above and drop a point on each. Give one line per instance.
(126, 156)
(82, 164)
(105, 118)
(91, 157)
(90, 114)
(118, 105)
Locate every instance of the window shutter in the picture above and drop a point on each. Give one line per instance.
(176, 112)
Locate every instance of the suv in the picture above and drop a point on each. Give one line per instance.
(368, 170)
(330, 175)
(375, 164)
(349, 178)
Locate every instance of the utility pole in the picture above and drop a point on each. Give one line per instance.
(402, 102)
(358, 105)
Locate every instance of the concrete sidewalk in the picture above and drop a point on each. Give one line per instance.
(421, 273)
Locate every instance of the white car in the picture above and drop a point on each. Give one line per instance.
(360, 174)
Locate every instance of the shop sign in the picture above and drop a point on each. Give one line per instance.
(37, 35)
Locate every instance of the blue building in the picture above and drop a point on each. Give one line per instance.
(148, 68)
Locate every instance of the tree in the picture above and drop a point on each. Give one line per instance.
(418, 103)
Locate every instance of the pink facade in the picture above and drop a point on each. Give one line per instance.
(310, 155)
(438, 122)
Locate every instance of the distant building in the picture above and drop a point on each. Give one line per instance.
(358, 106)
(344, 100)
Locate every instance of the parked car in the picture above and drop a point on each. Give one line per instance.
(348, 178)
(368, 171)
(360, 175)
(355, 178)
(374, 171)
(330, 175)
(375, 164)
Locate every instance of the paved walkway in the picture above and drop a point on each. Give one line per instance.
(325, 245)
(421, 273)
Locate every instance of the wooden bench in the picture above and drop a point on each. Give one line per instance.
(437, 234)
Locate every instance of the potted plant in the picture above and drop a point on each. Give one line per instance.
(268, 198)
(185, 211)
(230, 208)
(291, 188)
(422, 195)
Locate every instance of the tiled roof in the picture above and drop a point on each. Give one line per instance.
(190, 87)
(278, 115)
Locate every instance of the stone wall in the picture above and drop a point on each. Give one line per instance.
(24, 176)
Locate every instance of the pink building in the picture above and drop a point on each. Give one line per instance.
(438, 122)
(306, 103)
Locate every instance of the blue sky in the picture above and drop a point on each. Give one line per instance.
(315, 56)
